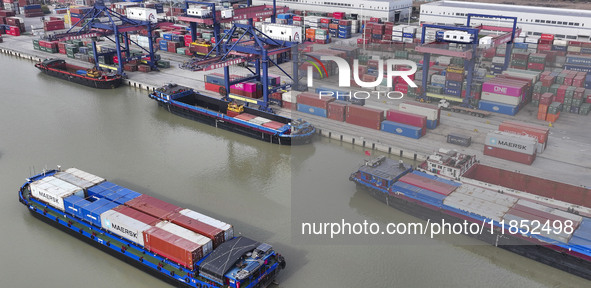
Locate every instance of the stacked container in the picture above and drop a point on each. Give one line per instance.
(512, 147)
(313, 104)
(364, 116)
(432, 112)
(414, 120)
(53, 191)
(540, 133)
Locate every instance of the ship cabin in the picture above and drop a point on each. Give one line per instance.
(383, 172)
(449, 163)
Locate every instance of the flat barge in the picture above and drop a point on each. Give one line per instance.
(84, 76)
(180, 246)
(537, 218)
(229, 116)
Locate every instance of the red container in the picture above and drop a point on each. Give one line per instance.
(546, 98)
(364, 116)
(458, 77)
(273, 125)
(547, 37)
(518, 210)
(408, 119)
(325, 20)
(428, 184)
(509, 155)
(215, 234)
(314, 100)
(137, 215)
(245, 117)
(579, 93)
(153, 206)
(539, 132)
(144, 68)
(173, 247)
(213, 87)
(336, 111)
(535, 66)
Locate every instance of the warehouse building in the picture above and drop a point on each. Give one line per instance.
(387, 10)
(564, 23)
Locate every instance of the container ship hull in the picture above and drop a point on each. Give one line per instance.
(70, 75)
(154, 263)
(214, 112)
(414, 199)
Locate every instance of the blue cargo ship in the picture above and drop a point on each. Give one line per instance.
(511, 207)
(229, 116)
(61, 199)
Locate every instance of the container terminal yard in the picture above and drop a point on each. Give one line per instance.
(508, 90)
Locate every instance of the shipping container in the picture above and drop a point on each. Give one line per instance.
(124, 226)
(336, 110)
(227, 228)
(436, 186)
(137, 215)
(173, 247)
(314, 100)
(215, 234)
(500, 98)
(430, 111)
(510, 141)
(153, 206)
(92, 212)
(312, 110)
(205, 243)
(73, 204)
(364, 116)
(509, 155)
(402, 129)
(408, 119)
(52, 191)
(459, 139)
(497, 107)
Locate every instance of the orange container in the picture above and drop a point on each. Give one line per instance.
(543, 108)
(552, 117)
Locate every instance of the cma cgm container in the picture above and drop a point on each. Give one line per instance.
(408, 119)
(401, 129)
(364, 116)
(53, 191)
(510, 141)
(432, 112)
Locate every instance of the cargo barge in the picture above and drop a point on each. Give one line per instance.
(514, 207)
(87, 77)
(182, 247)
(230, 116)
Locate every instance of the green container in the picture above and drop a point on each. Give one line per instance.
(568, 101)
(559, 79)
(434, 89)
(70, 54)
(518, 62)
(35, 42)
(577, 102)
(181, 50)
(537, 59)
(584, 110)
(554, 88)
(36, 47)
(401, 54)
(163, 64)
(538, 87)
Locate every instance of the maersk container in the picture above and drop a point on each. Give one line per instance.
(205, 243)
(215, 234)
(510, 141)
(497, 107)
(92, 212)
(124, 226)
(509, 155)
(173, 247)
(52, 191)
(73, 204)
(401, 129)
(312, 110)
(153, 206)
(227, 228)
(459, 139)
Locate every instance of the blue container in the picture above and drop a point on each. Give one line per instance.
(578, 68)
(81, 72)
(164, 45)
(520, 46)
(376, 36)
(74, 204)
(453, 84)
(585, 50)
(76, 15)
(177, 38)
(289, 21)
(334, 21)
(432, 124)
(578, 60)
(167, 36)
(401, 129)
(497, 107)
(344, 35)
(408, 35)
(92, 212)
(214, 79)
(438, 85)
(30, 7)
(558, 48)
(453, 92)
(312, 110)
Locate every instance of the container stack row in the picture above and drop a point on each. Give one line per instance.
(181, 235)
(252, 89)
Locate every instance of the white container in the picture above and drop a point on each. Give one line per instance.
(397, 33)
(532, 40)
(288, 97)
(124, 226)
(519, 40)
(438, 79)
(70, 178)
(410, 107)
(409, 29)
(498, 60)
(259, 120)
(560, 42)
(486, 40)
(397, 38)
(142, 14)
(198, 12)
(227, 14)
(228, 229)
(284, 32)
(513, 142)
(85, 175)
(505, 99)
(204, 242)
(570, 216)
(53, 191)
(407, 40)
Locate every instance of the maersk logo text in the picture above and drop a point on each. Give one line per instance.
(508, 144)
(124, 230)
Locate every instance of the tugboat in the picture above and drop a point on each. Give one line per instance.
(87, 77)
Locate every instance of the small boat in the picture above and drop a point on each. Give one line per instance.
(81, 75)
